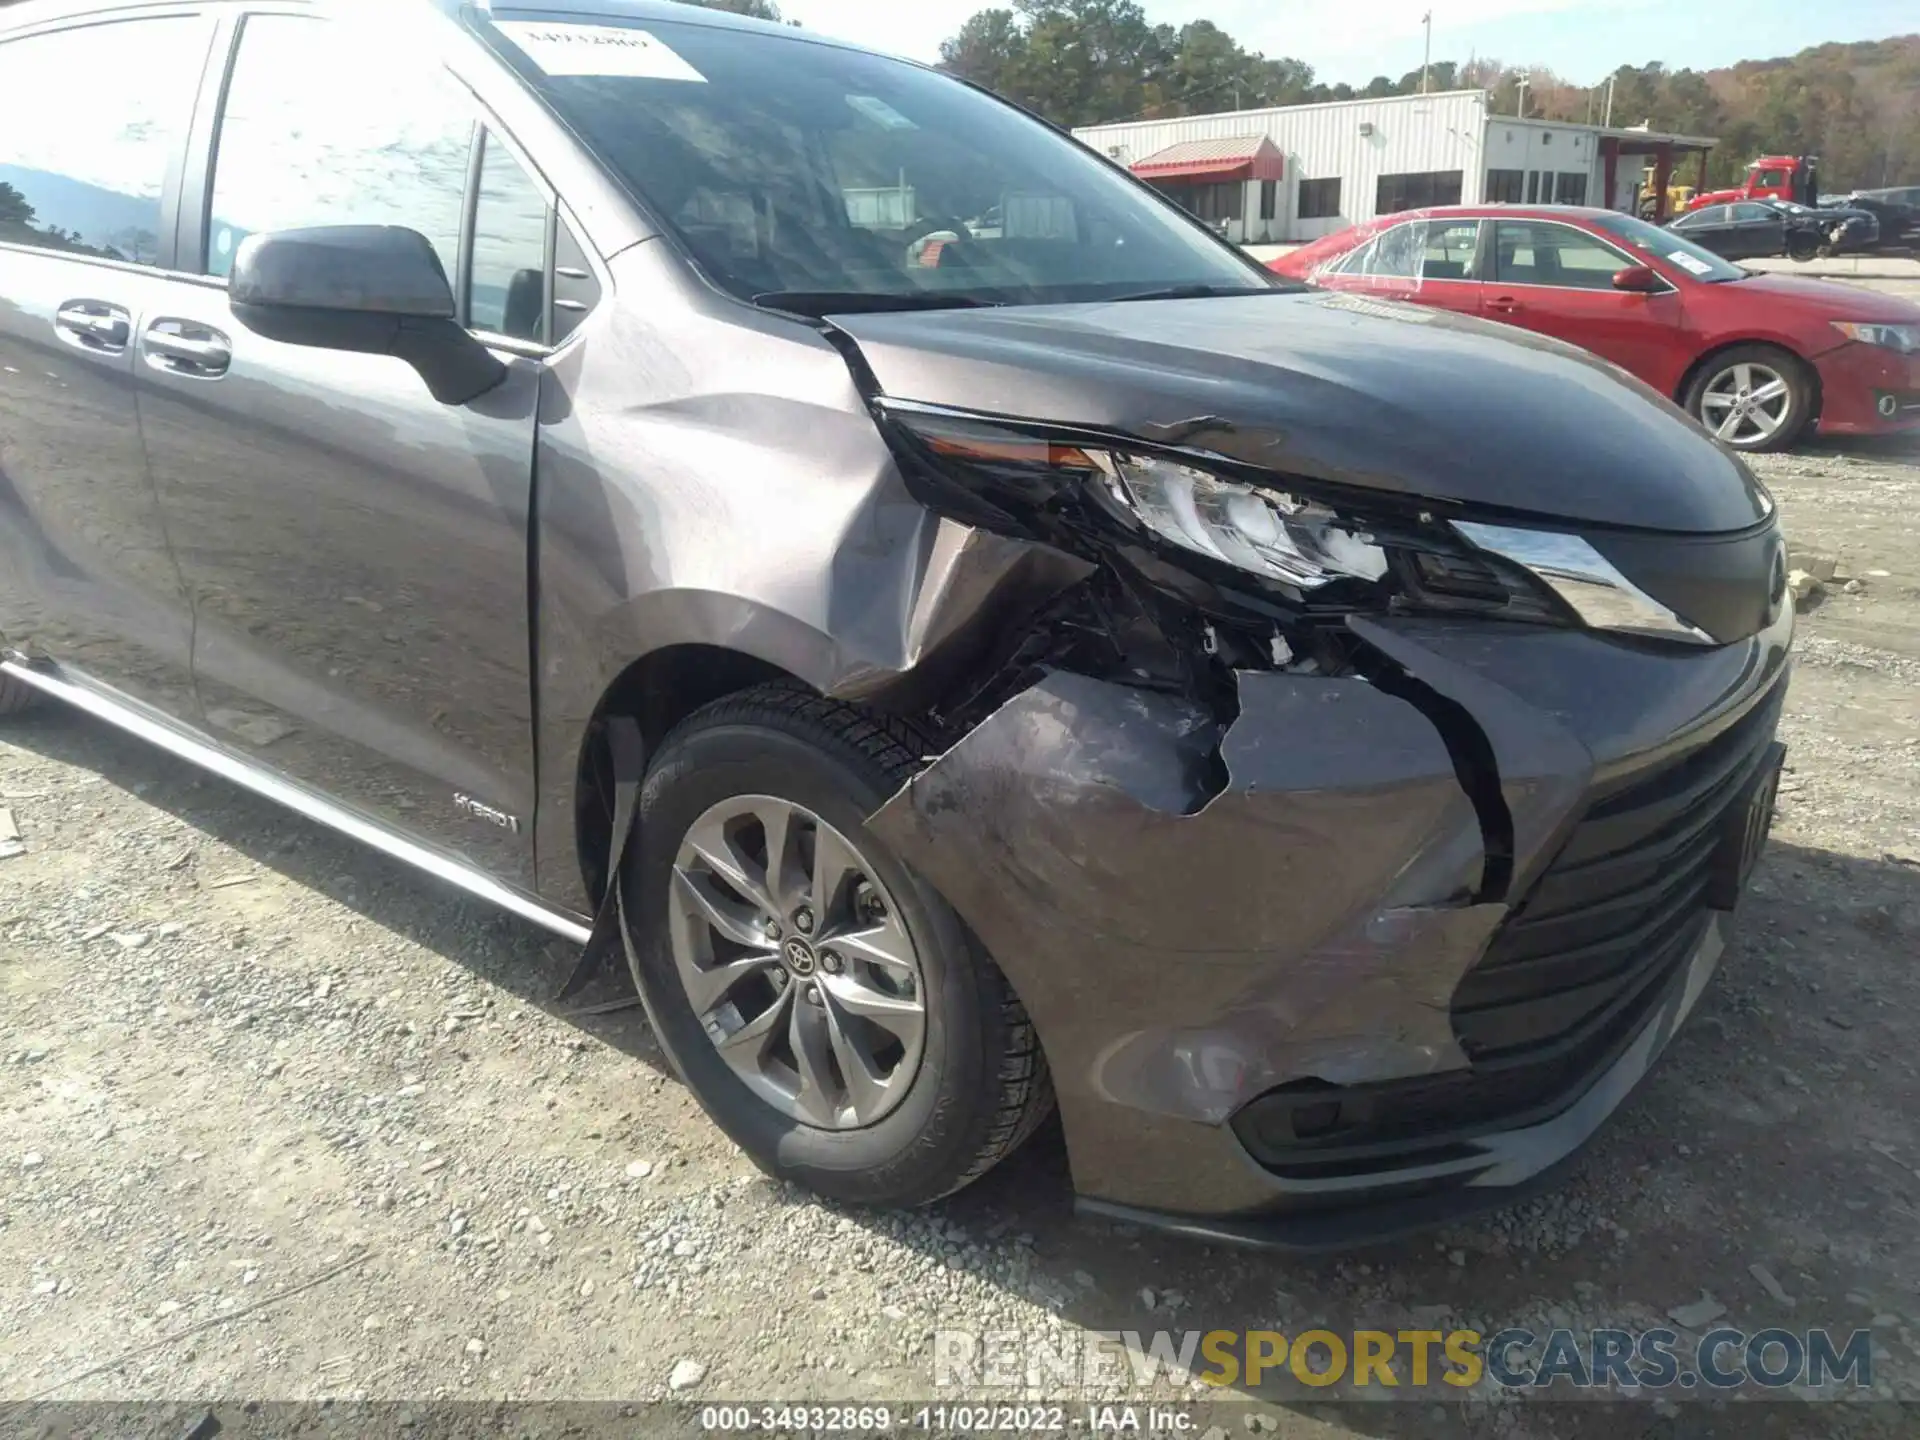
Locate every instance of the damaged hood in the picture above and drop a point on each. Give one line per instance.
(1333, 387)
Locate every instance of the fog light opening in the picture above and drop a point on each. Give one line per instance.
(1321, 1117)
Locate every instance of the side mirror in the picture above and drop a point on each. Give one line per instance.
(370, 289)
(1639, 279)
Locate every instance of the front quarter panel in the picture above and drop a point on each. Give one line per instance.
(709, 474)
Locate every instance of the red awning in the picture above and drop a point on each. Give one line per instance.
(1239, 157)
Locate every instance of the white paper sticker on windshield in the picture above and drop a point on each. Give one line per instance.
(1690, 262)
(564, 49)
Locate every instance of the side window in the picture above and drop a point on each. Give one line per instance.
(1750, 212)
(509, 279)
(322, 128)
(1536, 253)
(1449, 250)
(1396, 254)
(90, 120)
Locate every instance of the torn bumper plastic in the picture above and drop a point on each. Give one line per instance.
(1288, 995)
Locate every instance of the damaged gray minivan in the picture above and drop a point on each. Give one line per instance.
(972, 640)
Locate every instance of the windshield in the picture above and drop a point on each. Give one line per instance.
(1666, 245)
(832, 176)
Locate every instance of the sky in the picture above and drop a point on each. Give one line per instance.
(1581, 40)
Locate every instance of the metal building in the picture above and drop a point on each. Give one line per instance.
(1301, 171)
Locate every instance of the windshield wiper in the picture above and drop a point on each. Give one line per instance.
(854, 302)
(1198, 292)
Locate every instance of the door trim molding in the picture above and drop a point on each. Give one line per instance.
(149, 725)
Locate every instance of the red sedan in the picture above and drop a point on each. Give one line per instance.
(1755, 358)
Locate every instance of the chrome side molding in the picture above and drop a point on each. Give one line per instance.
(160, 732)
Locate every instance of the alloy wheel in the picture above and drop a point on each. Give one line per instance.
(797, 963)
(1746, 404)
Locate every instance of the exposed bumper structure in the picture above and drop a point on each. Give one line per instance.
(1371, 955)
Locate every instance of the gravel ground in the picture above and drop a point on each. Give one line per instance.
(248, 1070)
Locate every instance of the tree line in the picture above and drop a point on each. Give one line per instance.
(1081, 62)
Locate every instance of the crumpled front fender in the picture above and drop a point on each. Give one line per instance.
(1194, 915)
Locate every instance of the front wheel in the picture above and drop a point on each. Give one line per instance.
(1803, 245)
(822, 1002)
(1752, 397)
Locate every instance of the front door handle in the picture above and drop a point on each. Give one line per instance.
(94, 325)
(1504, 305)
(182, 347)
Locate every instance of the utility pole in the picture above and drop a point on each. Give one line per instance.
(1608, 122)
(1520, 94)
(1426, 60)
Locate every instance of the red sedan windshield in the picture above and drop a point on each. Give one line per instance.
(1702, 264)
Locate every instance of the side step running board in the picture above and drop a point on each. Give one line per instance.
(158, 731)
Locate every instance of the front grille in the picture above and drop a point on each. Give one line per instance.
(1569, 980)
(1621, 905)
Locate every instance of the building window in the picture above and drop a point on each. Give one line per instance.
(1570, 189)
(1533, 186)
(1208, 202)
(1505, 187)
(1218, 202)
(1269, 199)
(1319, 199)
(1413, 192)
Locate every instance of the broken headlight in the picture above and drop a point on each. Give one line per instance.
(1089, 496)
(1269, 532)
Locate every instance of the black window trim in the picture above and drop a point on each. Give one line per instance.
(172, 187)
(194, 223)
(1627, 262)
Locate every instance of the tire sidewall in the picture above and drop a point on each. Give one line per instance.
(907, 1155)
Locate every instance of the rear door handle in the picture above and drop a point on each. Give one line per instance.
(1504, 305)
(182, 347)
(94, 325)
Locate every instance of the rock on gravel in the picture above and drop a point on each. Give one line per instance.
(686, 1374)
(1703, 1311)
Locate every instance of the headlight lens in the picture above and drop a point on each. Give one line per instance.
(1268, 532)
(1904, 338)
(1086, 497)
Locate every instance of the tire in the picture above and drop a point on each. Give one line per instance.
(1802, 246)
(980, 1086)
(1715, 390)
(16, 696)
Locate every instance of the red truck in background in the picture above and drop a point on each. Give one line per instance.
(1771, 177)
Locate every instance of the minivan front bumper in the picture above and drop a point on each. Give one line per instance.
(1369, 955)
